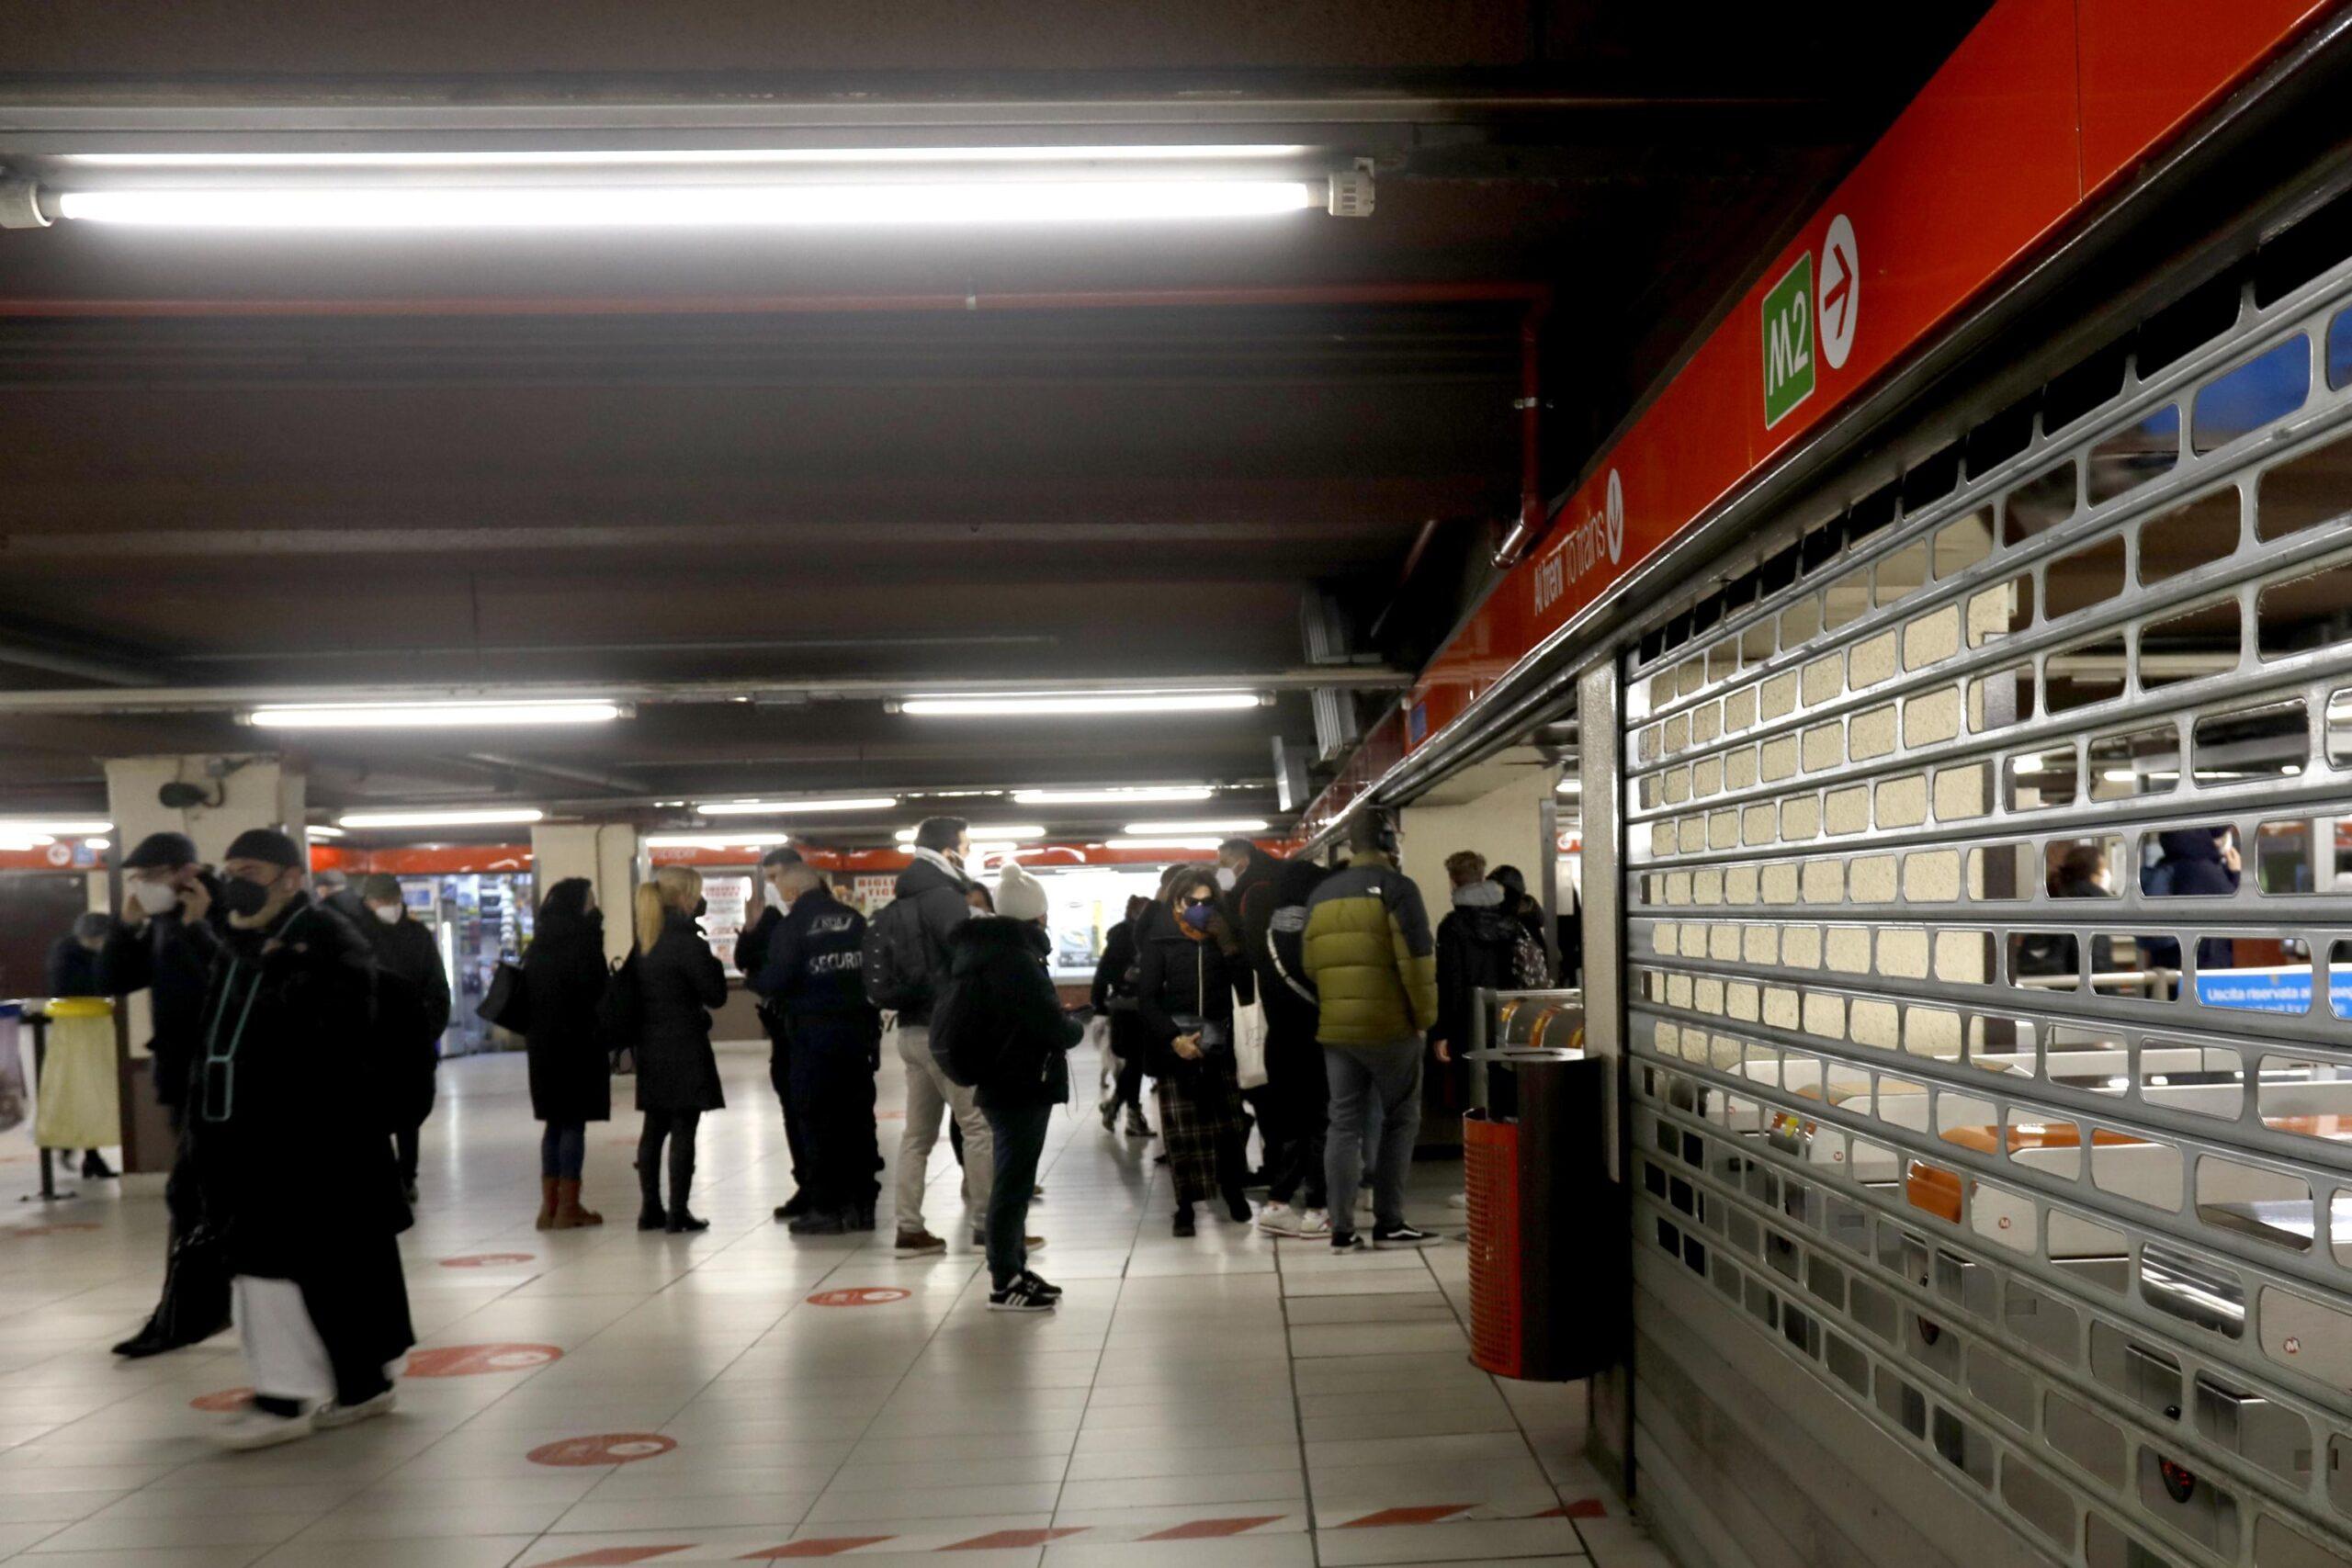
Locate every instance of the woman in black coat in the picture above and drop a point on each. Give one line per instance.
(679, 981)
(1114, 998)
(1189, 975)
(572, 1083)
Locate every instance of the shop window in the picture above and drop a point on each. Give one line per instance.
(2265, 389)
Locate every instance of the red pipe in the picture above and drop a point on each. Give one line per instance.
(1532, 510)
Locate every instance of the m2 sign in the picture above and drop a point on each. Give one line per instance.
(1787, 341)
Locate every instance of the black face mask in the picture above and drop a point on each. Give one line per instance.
(241, 898)
(702, 907)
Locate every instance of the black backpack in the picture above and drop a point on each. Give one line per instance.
(620, 1014)
(895, 960)
(968, 1052)
(401, 1051)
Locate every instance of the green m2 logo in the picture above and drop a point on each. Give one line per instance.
(1788, 341)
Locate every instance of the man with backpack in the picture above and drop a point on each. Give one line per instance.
(999, 1027)
(906, 964)
(812, 984)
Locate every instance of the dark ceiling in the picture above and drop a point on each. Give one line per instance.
(241, 459)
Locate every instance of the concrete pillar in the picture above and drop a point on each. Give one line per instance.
(1503, 820)
(609, 854)
(1600, 718)
(240, 792)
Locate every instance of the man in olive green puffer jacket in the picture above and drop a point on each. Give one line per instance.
(1374, 965)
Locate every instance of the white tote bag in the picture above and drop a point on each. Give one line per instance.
(1249, 1045)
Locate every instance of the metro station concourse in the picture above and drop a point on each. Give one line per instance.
(1251, 783)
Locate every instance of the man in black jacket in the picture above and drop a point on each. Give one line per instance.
(407, 956)
(941, 895)
(751, 957)
(150, 950)
(812, 987)
(1475, 943)
(289, 1082)
(1001, 1014)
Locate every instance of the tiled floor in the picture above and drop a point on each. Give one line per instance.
(1219, 1401)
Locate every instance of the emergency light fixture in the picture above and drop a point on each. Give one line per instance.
(462, 816)
(1187, 829)
(1113, 796)
(433, 715)
(792, 808)
(1047, 704)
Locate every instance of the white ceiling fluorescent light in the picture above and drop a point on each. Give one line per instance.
(459, 816)
(47, 827)
(1140, 794)
(793, 807)
(720, 841)
(317, 831)
(985, 832)
(1142, 153)
(1157, 841)
(458, 714)
(1058, 705)
(1229, 826)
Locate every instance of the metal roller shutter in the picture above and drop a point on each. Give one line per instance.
(2052, 1182)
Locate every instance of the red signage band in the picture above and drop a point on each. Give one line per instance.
(2044, 107)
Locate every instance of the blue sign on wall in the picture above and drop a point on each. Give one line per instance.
(2273, 990)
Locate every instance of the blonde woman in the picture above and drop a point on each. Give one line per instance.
(679, 980)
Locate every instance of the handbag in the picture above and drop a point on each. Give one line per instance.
(1249, 1045)
(508, 1004)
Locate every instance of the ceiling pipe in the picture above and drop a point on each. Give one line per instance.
(1531, 509)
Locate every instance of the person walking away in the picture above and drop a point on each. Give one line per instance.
(1296, 1204)
(406, 952)
(333, 889)
(150, 950)
(999, 1026)
(813, 985)
(1114, 995)
(1372, 962)
(1190, 972)
(1477, 945)
(906, 964)
(564, 977)
(751, 957)
(1532, 965)
(679, 982)
(1245, 874)
(290, 1138)
(72, 971)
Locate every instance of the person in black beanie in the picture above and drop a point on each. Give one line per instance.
(290, 1077)
(149, 950)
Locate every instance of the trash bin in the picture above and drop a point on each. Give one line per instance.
(1547, 1239)
(78, 1101)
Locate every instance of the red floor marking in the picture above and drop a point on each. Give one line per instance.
(485, 1259)
(224, 1400)
(54, 1227)
(613, 1557)
(604, 1448)
(862, 1296)
(1203, 1529)
(468, 1360)
(1000, 1539)
(1428, 1514)
(815, 1546)
(1586, 1508)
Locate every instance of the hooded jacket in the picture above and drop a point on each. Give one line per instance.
(941, 898)
(1000, 995)
(1370, 955)
(1475, 943)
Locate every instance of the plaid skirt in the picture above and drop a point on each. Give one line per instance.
(1200, 1119)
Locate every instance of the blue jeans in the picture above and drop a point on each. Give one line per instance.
(1375, 1103)
(1020, 1137)
(563, 1149)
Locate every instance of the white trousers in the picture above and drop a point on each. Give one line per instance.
(284, 1354)
(930, 1097)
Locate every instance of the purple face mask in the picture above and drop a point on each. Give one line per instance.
(1197, 916)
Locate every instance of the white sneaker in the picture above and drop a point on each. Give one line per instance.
(331, 1414)
(1278, 1219)
(254, 1429)
(1315, 1225)
(1458, 1200)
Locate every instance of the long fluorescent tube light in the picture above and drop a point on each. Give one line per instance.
(466, 817)
(926, 204)
(52, 827)
(792, 808)
(991, 833)
(716, 841)
(1134, 842)
(1055, 704)
(1111, 796)
(433, 715)
(319, 832)
(1187, 829)
(1248, 152)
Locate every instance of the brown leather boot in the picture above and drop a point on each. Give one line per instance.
(547, 1203)
(569, 1214)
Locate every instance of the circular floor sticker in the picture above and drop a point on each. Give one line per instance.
(470, 1360)
(863, 1296)
(224, 1400)
(485, 1259)
(604, 1447)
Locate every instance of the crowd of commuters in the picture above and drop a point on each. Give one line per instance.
(1299, 1002)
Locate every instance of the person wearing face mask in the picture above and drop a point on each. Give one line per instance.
(564, 975)
(287, 1081)
(812, 981)
(407, 956)
(751, 957)
(679, 981)
(150, 950)
(1190, 974)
